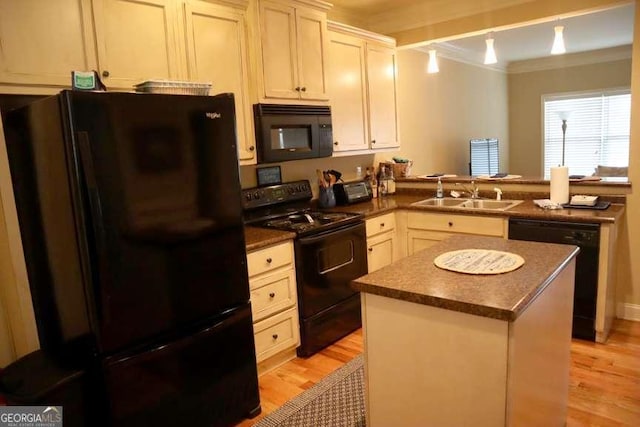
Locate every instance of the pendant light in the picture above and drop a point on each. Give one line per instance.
(490, 54)
(558, 41)
(432, 66)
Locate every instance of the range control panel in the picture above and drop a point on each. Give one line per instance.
(258, 197)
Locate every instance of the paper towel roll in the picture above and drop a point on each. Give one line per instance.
(559, 184)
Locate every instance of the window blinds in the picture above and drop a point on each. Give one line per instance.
(484, 156)
(598, 127)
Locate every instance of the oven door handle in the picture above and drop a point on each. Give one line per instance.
(317, 237)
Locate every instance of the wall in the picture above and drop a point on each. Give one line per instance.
(525, 97)
(7, 351)
(440, 113)
(306, 169)
(629, 272)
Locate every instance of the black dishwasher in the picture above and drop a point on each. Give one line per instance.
(587, 237)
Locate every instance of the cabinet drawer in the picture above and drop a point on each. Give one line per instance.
(273, 293)
(270, 258)
(277, 333)
(486, 226)
(380, 224)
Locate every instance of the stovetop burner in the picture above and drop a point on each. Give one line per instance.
(306, 220)
(288, 207)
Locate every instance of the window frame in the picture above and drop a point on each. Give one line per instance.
(559, 96)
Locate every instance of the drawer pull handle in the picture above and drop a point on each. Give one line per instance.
(275, 336)
(370, 249)
(382, 224)
(450, 224)
(272, 295)
(269, 260)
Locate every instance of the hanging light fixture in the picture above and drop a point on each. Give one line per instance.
(432, 66)
(558, 41)
(490, 54)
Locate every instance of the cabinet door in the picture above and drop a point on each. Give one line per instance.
(311, 30)
(279, 60)
(381, 78)
(418, 240)
(217, 53)
(380, 250)
(136, 41)
(348, 92)
(42, 41)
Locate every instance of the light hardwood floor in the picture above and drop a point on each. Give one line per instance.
(604, 378)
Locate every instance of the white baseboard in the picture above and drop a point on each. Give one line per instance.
(628, 311)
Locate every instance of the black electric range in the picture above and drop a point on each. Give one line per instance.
(288, 207)
(330, 252)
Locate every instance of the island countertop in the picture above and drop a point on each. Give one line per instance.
(501, 296)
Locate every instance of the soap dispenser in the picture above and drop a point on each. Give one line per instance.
(439, 190)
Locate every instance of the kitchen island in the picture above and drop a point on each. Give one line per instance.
(447, 349)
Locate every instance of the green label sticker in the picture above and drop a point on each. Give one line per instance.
(84, 80)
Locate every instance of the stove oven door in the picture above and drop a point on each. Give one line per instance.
(326, 263)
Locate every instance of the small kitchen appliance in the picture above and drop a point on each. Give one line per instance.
(292, 132)
(353, 192)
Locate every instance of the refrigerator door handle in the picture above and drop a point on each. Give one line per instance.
(88, 173)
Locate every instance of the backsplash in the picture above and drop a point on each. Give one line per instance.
(306, 169)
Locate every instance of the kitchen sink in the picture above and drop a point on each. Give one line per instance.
(448, 202)
(489, 204)
(499, 205)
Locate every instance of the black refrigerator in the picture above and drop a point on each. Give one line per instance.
(131, 224)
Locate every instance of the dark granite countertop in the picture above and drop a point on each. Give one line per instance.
(260, 237)
(527, 209)
(501, 296)
(256, 238)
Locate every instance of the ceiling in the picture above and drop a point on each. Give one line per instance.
(598, 30)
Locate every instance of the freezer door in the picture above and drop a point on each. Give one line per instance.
(206, 379)
(160, 214)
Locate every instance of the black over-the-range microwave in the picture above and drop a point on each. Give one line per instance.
(292, 132)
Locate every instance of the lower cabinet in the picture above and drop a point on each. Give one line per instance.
(272, 283)
(424, 229)
(382, 244)
(475, 370)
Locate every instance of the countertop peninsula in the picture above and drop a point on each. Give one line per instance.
(501, 296)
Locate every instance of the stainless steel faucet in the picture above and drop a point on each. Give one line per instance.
(474, 189)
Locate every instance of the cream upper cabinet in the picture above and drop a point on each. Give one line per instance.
(362, 86)
(381, 77)
(41, 42)
(348, 92)
(293, 50)
(136, 41)
(216, 47)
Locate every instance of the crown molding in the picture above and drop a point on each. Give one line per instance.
(571, 60)
(359, 32)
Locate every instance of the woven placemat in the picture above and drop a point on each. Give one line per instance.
(479, 261)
